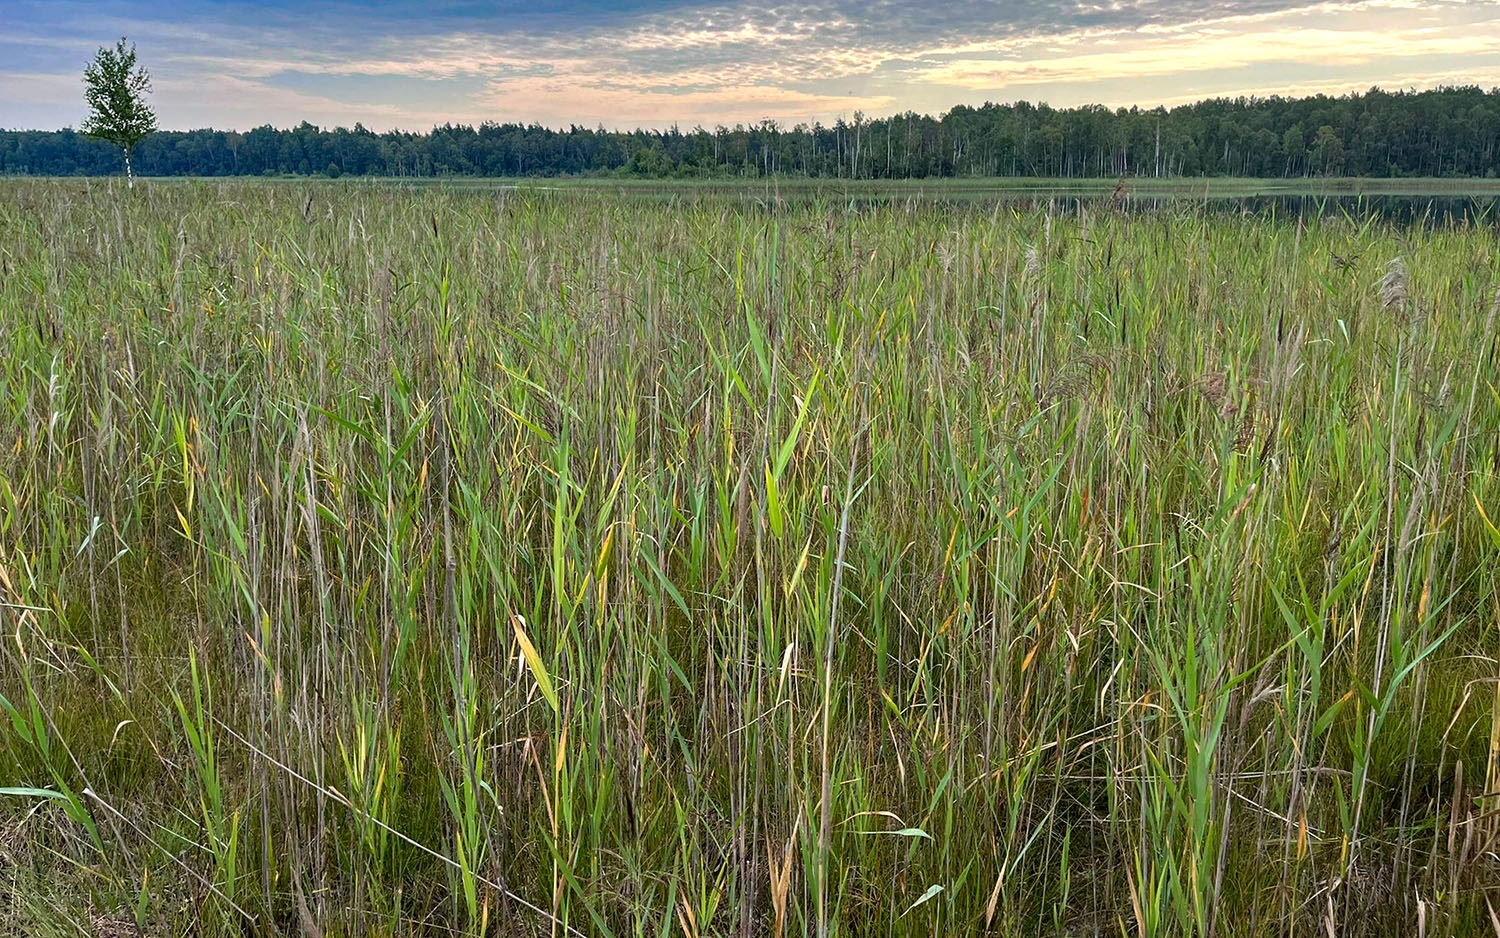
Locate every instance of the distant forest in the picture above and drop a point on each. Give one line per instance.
(1446, 132)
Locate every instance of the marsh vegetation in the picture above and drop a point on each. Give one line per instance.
(448, 561)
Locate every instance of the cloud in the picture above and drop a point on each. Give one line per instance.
(658, 62)
(626, 107)
(1206, 51)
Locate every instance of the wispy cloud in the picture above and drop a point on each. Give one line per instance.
(656, 62)
(1208, 50)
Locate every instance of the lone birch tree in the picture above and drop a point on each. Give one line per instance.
(115, 89)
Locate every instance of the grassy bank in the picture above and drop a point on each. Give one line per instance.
(382, 561)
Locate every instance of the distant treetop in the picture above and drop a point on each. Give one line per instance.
(1453, 132)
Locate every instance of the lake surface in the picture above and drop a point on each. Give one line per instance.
(1425, 202)
(1434, 210)
(1421, 202)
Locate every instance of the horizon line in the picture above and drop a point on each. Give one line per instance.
(1249, 97)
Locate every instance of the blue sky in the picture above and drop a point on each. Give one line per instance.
(626, 63)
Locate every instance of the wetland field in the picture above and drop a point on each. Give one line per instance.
(472, 560)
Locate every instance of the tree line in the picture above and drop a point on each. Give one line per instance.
(1452, 132)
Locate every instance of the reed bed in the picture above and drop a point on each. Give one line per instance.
(380, 561)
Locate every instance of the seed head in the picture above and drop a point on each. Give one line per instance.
(1033, 263)
(1395, 287)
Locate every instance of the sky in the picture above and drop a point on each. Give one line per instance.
(237, 64)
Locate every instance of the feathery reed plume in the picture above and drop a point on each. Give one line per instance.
(1395, 285)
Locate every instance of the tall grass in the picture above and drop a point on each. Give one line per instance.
(401, 562)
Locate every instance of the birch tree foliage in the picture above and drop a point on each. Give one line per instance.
(115, 89)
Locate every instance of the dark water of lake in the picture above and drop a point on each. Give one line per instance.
(1446, 207)
(1427, 203)
(1404, 210)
